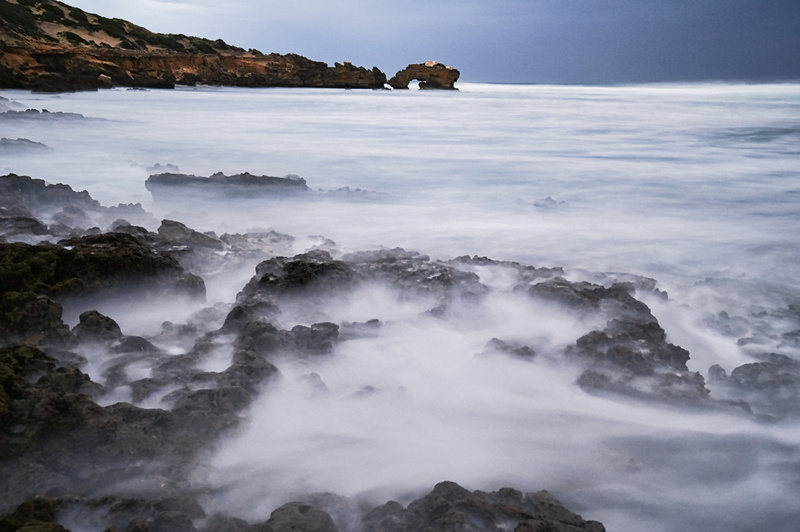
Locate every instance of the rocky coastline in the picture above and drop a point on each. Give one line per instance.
(51, 46)
(66, 459)
(126, 464)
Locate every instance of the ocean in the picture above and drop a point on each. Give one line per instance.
(696, 186)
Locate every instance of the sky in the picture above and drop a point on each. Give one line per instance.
(510, 41)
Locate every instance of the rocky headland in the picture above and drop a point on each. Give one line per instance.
(47, 45)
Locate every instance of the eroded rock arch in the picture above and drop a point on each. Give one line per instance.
(431, 75)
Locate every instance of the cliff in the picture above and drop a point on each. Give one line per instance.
(50, 46)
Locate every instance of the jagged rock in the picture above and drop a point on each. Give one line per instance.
(54, 402)
(298, 517)
(415, 273)
(59, 204)
(95, 327)
(770, 387)
(450, 507)
(317, 339)
(432, 75)
(31, 318)
(106, 263)
(313, 271)
(178, 234)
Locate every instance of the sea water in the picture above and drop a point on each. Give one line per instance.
(694, 185)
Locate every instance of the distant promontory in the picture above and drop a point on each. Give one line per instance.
(47, 45)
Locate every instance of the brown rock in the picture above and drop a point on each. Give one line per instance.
(432, 75)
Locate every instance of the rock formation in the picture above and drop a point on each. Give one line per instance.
(243, 185)
(50, 46)
(57, 441)
(431, 75)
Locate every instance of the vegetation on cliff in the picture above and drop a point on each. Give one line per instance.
(47, 45)
(52, 22)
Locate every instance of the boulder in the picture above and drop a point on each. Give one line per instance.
(450, 507)
(769, 387)
(432, 75)
(299, 517)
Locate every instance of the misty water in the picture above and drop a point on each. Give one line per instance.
(695, 186)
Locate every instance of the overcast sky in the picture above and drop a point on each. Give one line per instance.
(536, 41)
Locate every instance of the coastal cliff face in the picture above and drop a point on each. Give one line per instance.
(50, 46)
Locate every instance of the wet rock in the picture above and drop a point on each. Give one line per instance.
(633, 358)
(299, 517)
(770, 387)
(255, 309)
(450, 507)
(105, 263)
(11, 226)
(313, 274)
(350, 330)
(514, 350)
(589, 297)
(410, 271)
(135, 344)
(59, 203)
(178, 234)
(31, 318)
(525, 274)
(238, 185)
(38, 398)
(317, 339)
(95, 327)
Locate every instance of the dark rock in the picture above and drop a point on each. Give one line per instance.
(21, 225)
(770, 387)
(313, 274)
(95, 327)
(238, 185)
(35, 515)
(108, 263)
(526, 274)
(450, 507)
(58, 203)
(135, 344)
(350, 330)
(255, 309)
(317, 339)
(432, 75)
(31, 318)
(416, 273)
(299, 517)
(178, 234)
(38, 398)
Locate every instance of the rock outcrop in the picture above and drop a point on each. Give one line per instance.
(451, 507)
(50, 46)
(431, 75)
(242, 185)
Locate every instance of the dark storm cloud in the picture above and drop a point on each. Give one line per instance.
(566, 41)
